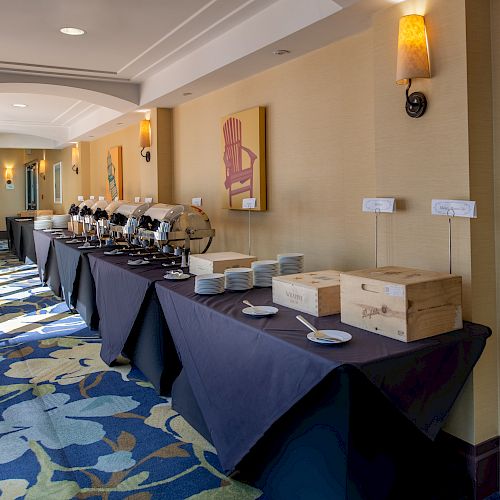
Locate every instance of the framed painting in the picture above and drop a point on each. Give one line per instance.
(243, 158)
(114, 174)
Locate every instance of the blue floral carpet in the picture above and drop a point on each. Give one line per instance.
(72, 427)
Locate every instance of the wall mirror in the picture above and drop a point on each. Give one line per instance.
(58, 182)
(31, 171)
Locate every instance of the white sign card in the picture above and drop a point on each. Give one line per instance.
(92, 197)
(9, 185)
(137, 199)
(148, 200)
(80, 198)
(116, 198)
(249, 203)
(196, 202)
(379, 205)
(455, 208)
(101, 198)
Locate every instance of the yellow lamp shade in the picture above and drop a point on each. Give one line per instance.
(145, 134)
(75, 155)
(42, 166)
(413, 52)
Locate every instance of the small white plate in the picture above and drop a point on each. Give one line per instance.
(74, 242)
(137, 262)
(259, 311)
(335, 334)
(113, 253)
(177, 277)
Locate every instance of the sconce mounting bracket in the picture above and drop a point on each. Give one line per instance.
(416, 103)
(147, 155)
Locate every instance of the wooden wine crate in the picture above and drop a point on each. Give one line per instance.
(316, 293)
(35, 213)
(218, 262)
(401, 303)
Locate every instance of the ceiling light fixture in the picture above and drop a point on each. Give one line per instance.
(20, 105)
(120, 123)
(187, 93)
(281, 52)
(72, 31)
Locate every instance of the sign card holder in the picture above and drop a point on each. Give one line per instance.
(378, 206)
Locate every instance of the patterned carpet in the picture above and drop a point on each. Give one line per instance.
(72, 427)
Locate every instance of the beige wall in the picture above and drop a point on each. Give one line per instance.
(139, 177)
(11, 201)
(337, 131)
(319, 157)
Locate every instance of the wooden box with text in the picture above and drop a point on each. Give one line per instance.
(35, 213)
(401, 303)
(316, 293)
(218, 262)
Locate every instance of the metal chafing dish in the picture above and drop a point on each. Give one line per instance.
(177, 226)
(125, 213)
(102, 204)
(86, 203)
(112, 207)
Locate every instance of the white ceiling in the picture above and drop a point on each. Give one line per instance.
(145, 53)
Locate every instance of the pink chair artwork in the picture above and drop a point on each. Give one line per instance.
(233, 160)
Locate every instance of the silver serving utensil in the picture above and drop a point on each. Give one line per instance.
(248, 304)
(317, 333)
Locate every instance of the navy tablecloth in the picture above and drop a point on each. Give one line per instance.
(76, 279)
(246, 373)
(20, 233)
(120, 292)
(46, 260)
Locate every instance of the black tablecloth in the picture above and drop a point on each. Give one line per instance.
(46, 260)
(131, 320)
(20, 234)
(76, 279)
(246, 373)
(120, 292)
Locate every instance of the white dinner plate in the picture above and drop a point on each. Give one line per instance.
(260, 311)
(335, 334)
(74, 242)
(177, 277)
(113, 253)
(139, 262)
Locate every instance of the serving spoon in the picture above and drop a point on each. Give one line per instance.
(317, 333)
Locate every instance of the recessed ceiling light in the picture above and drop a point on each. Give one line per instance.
(120, 123)
(187, 93)
(72, 31)
(91, 135)
(142, 110)
(281, 52)
(20, 105)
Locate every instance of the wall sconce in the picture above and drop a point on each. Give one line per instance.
(8, 173)
(413, 61)
(75, 159)
(42, 166)
(145, 138)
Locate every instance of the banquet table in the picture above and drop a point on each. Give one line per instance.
(20, 234)
(294, 413)
(77, 284)
(131, 321)
(46, 260)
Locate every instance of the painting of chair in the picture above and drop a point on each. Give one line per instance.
(238, 171)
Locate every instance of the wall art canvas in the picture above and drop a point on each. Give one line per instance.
(114, 174)
(243, 158)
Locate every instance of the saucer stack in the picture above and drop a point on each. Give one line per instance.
(291, 263)
(60, 221)
(43, 222)
(239, 278)
(263, 272)
(209, 284)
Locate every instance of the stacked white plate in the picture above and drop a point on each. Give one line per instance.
(60, 221)
(239, 278)
(43, 223)
(263, 272)
(209, 284)
(291, 263)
